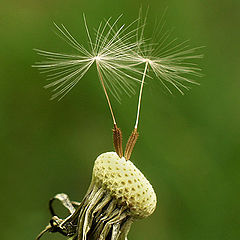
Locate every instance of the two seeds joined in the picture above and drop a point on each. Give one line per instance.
(119, 193)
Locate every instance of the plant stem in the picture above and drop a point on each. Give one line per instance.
(140, 94)
(106, 94)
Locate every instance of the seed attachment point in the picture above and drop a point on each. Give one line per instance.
(117, 140)
(131, 143)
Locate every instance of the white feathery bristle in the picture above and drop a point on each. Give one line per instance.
(169, 60)
(110, 50)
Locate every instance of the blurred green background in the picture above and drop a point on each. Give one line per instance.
(189, 146)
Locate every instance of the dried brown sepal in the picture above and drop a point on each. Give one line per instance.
(47, 229)
(117, 140)
(56, 223)
(131, 143)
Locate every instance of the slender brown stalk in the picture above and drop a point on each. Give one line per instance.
(106, 94)
(117, 134)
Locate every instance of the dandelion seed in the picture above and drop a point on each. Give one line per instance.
(109, 51)
(168, 61)
(166, 58)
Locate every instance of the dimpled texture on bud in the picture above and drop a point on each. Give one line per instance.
(126, 183)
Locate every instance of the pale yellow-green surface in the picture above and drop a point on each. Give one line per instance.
(125, 182)
(188, 145)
